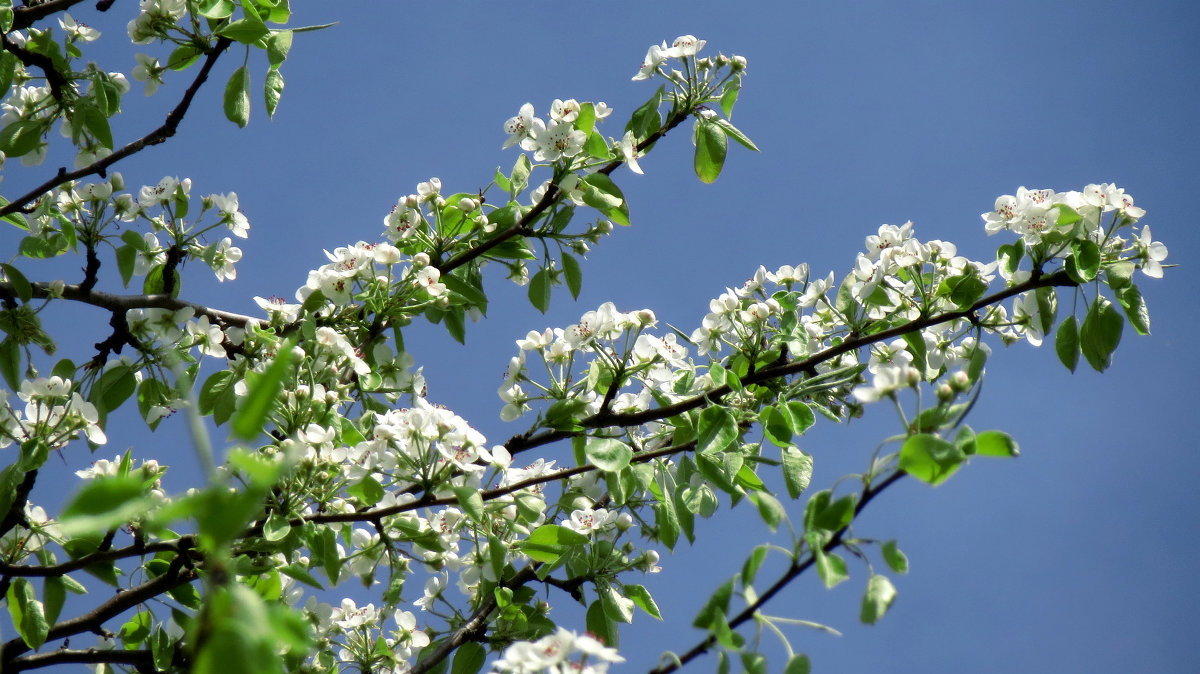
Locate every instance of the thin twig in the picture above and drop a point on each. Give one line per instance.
(155, 137)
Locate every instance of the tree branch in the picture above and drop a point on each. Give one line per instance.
(792, 572)
(114, 302)
(138, 659)
(159, 135)
(24, 17)
(93, 620)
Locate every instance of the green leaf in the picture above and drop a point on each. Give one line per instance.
(113, 388)
(183, 56)
(248, 30)
(996, 443)
(645, 119)
(617, 606)
(368, 491)
(831, 568)
(797, 470)
(573, 274)
(216, 9)
(752, 563)
(930, 458)
(21, 137)
(877, 599)
(10, 363)
(836, 515)
(769, 508)
(470, 501)
(1066, 343)
(8, 60)
(601, 626)
(54, 592)
(278, 46)
(272, 91)
(602, 194)
(711, 146)
(261, 394)
(96, 124)
(1086, 255)
(19, 283)
(276, 528)
(237, 97)
(798, 664)
(1100, 334)
(717, 429)
(729, 96)
(468, 658)
(716, 606)
(539, 290)
(549, 542)
(162, 649)
(800, 416)
(754, 663)
(775, 426)
(641, 597)
(734, 133)
(608, 454)
(1130, 299)
(896, 560)
(28, 616)
(520, 174)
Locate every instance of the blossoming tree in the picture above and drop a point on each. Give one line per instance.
(338, 469)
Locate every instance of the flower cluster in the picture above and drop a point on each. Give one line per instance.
(558, 653)
(54, 413)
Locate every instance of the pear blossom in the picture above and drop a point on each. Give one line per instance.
(564, 111)
(556, 140)
(76, 30)
(234, 219)
(630, 152)
(150, 71)
(519, 127)
(655, 56)
(1151, 253)
(685, 45)
(225, 255)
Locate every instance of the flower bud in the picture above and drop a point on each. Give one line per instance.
(420, 260)
(945, 393)
(117, 181)
(56, 288)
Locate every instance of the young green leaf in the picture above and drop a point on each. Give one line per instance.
(1066, 343)
(272, 91)
(896, 560)
(608, 454)
(237, 97)
(539, 290)
(929, 458)
(797, 470)
(711, 146)
(877, 599)
(1100, 334)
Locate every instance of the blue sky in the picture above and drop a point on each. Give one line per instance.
(1078, 556)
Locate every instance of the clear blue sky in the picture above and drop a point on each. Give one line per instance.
(1080, 555)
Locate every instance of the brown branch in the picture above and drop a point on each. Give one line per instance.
(24, 17)
(114, 302)
(552, 195)
(54, 79)
(155, 137)
(98, 557)
(93, 621)
(793, 571)
(142, 660)
(600, 420)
